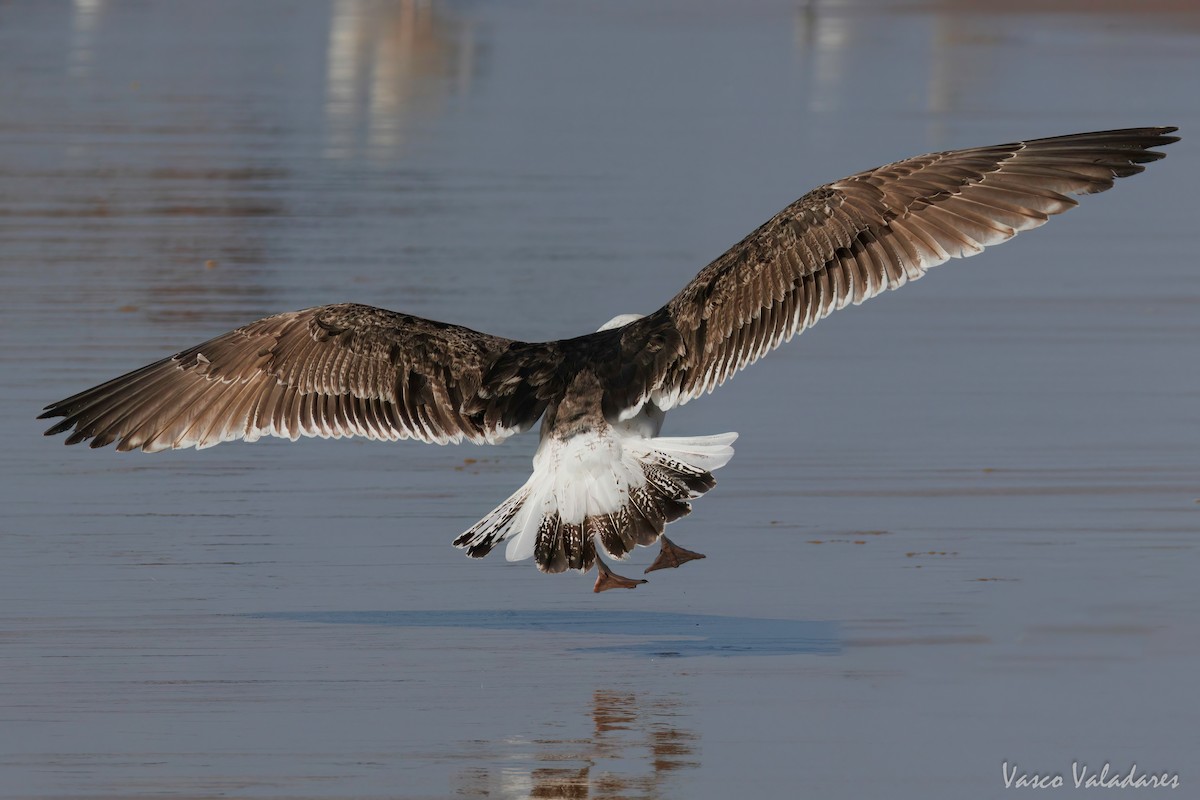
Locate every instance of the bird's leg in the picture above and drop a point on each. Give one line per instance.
(671, 555)
(607, 579)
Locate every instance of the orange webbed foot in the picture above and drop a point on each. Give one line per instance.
(671, 555)
(607, 579)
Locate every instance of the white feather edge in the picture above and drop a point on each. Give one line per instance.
(592, 474)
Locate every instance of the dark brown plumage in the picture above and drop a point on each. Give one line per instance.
(334, 371)
(602, 476)
(847, 241)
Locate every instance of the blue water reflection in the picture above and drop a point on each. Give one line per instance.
(665, 634)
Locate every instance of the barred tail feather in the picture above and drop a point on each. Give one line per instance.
(611, 490)
(481, 537)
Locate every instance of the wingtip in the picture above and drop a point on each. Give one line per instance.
(1167, 137)
(1160, 136)
(1163, 135)
(57, 428)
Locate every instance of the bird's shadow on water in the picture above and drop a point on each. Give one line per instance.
(663, 634)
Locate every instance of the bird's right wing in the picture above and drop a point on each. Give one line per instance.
(848, 241)
(330, 371)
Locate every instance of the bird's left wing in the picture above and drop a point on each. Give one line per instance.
(330, 371)
(848, 241)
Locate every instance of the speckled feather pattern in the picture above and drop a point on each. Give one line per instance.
(331, 371)
(355, 370)
(848, 241)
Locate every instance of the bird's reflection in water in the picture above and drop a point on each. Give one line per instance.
(637, 744)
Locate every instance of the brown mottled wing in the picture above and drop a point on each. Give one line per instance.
(848, 241)
(332, 371)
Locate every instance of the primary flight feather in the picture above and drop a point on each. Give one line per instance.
(603, 479)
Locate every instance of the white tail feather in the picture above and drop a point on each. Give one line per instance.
(522, 532)
(706, 452)
(591, 475)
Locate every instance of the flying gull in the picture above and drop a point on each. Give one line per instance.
(603, 479)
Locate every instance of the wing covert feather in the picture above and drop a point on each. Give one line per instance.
(331, 371)
(848, 241)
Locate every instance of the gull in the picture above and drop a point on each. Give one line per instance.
(604, 481)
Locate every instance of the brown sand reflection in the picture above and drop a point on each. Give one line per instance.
(967, 40)
(387, 63)
(1148, 14)
(636, 746)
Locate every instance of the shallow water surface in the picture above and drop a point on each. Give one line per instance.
(961, 527)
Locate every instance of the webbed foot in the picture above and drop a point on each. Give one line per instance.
(607, 579)
(671, 555)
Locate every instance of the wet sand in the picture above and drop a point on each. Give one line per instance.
(961, 527)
